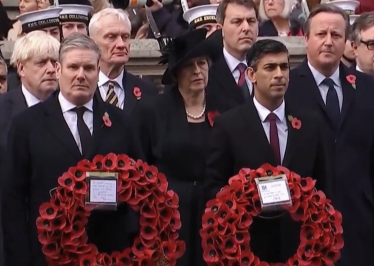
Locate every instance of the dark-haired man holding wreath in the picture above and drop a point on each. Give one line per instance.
(266, 129)
(47, 139)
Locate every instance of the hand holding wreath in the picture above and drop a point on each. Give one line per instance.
(61, 225)
(227, 218)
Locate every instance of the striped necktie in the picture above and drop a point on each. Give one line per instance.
(111, 96)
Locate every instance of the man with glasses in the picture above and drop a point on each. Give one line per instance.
(363, 43)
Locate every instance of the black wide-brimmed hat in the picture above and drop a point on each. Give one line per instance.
(187, 46)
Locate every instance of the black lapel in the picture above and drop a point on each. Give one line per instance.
(221, 72)
(310, 84)
(130, 99)
(18, 102)
(348, 93)
(55, 121)
(256, 134)
(292, 138)
(99, 128)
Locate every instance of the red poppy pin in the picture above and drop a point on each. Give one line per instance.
(137, 93)
(211, 116)
(352, 80)
(296, 123)
(106, 119)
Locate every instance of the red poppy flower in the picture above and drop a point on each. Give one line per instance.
(104, 259)
(210, 254)
(336, 218)
(148, 212)
(307, 184)
(246, 258)
(134, 175)
(125, 192)
(338, 241)
(172, 199)
(331, 257)
(245, 221)
(309, 232)
(299, 213)
(351, 79)
(211, 115)
(64, 259)
(296, 123)
(43, 224)
(317, 216)
(137, 93)
(295, 191)
(106, 120)
(67, 181)
(209, 220)
(44, 237)
(162, 182)
(58, 223)
(138, 248)
(87, 260)
(150, 172)
(77, 229)
(98, 161)
(79, 172)
(51, 250)
(166, 214)
(110, 162)
(48, 211)
(242, 237)
(175, 221)
(266, 170)
(256, 205)
(123, 162)
(148, 232)
(330, 209)
(326, 238)
(83, 249)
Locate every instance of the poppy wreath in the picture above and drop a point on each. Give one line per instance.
(61, 225)
(227, 218)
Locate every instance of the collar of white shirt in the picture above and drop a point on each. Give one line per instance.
(231, 61)
(263, 112)
(318, 77)
(359, 69)
(67, 106)
(30, 99)
(103, 79)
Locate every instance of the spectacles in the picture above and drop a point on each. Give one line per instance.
(369, 44)
(275, 1)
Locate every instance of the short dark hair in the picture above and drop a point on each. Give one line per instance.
(363, 22)
(221, 10)
(264, 47)
(326, 8)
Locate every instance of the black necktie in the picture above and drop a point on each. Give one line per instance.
(332, 102)
(242, 83)
(83, 130)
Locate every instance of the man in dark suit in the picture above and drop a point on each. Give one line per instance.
(111, 30)
(260, 131)
(47, 139)
(34, 55)
(227, 79)
(344, 102)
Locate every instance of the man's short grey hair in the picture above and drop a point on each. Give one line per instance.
(288, 5)
(78, 41)
(363, 22)
(3, 63)
(326, 8)
(118, 14)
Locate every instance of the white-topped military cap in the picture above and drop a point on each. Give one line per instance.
(352, 18)
(77, 13)
(200, 15)
(40, 19)
(349, 6)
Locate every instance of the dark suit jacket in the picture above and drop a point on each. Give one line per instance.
(222, 85)
(129, 82)
(239, 141)
(40, 149)
(349, 155)
(11, 104)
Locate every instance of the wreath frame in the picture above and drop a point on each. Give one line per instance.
(62, 220)
(228, 217)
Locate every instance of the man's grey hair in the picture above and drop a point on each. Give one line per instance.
(3, 63)
(118, 14)
(78, 41)
(363, 22)
(327, 8)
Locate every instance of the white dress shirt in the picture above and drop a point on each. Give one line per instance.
(323, 88)
(233, 63)
(359, 69)
(71, 117)
(263, 113)
(30, 99)
(118, 89)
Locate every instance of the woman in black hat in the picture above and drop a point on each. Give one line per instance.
(172, 132)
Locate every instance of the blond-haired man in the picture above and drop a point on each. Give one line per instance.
(34, 56)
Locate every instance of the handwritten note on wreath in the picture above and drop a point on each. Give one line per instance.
(103, 191)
